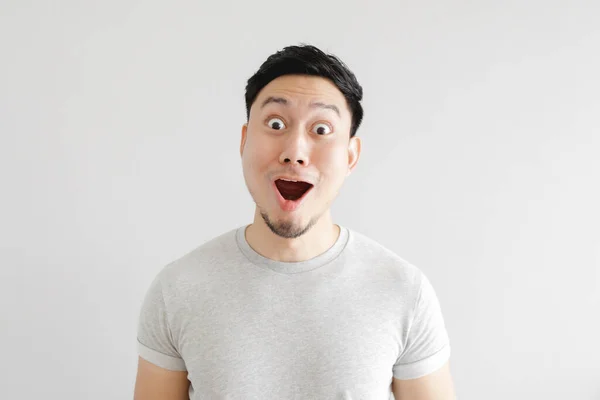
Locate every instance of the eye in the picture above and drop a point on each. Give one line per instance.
(276, 123)
(322, 129)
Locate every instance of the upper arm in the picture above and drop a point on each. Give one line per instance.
(435, 386)
(156, 383)
(161, 373)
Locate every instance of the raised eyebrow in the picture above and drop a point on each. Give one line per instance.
(271, 99)
(318, 104)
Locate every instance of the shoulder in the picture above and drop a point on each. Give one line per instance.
(384, 263)
(196, 263)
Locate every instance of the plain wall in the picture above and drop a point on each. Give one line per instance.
(120, 127)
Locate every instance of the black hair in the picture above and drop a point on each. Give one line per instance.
(308, 60)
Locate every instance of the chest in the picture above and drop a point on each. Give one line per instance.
(291, 342)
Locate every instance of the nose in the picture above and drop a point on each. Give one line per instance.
(295, 149)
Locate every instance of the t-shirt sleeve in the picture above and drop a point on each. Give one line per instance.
(155, 339)
(427, 346)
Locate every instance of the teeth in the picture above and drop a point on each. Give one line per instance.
(291, 180)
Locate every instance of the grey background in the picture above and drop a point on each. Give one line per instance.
(119, 152)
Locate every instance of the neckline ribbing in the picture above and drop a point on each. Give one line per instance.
(291, 267)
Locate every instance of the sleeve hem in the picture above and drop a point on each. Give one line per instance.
(160, 359)
(422, 367)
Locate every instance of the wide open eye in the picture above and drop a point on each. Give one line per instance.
(276, 123)
(322, 129)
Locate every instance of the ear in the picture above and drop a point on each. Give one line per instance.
(244, 135)
(354, 147)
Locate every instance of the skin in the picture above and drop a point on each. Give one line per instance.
(299, 150)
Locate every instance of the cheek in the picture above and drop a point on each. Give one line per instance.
(256, 158)
(333, 166)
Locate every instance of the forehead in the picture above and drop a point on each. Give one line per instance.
(301, 90)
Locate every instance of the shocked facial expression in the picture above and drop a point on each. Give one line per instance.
(297, 152)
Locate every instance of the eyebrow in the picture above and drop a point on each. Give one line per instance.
(318, 104)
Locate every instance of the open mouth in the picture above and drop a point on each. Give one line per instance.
(292, 190)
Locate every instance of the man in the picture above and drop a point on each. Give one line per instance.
(294, 306)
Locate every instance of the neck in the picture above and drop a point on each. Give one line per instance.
(316, 241)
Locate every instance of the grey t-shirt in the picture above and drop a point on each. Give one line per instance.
(337, 326)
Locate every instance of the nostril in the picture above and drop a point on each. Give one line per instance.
(287, 160)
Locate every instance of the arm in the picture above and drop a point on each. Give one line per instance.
(436, 386)
(161, 372)
(155, 383)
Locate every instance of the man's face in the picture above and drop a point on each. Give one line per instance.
(299, 128)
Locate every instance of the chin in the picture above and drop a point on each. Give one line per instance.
(288, 228)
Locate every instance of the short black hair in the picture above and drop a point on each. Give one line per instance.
(308, 60)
